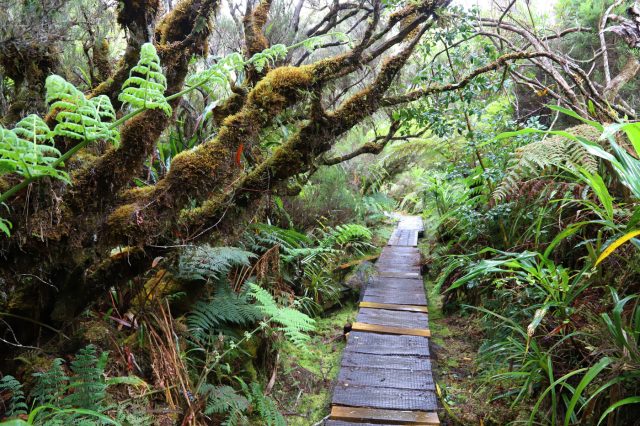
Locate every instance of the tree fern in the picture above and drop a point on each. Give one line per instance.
(293, 323)
(205, 262)
(146, 84)
(226, 307)
(552, 153)
(13, 396)
(87, 385)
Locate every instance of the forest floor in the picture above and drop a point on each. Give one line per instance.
(464, 391)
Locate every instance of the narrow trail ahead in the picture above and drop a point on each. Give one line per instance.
(385, 376)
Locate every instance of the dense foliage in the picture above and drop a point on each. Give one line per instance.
(191, 194)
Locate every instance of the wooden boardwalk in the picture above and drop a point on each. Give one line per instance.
(385, 376)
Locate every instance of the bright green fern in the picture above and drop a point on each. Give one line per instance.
(146, 84)
(293, 323)
(26, 150)
(78, 117)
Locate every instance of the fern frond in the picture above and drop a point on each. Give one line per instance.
(267, 236)
(265, 406)
(226, 307)
(146, 84)
(23, 150)
(206, 262)
(293, 323)
(348, 233)
(268, 56)
(77, 117)
(13, 396)
(50, 385)
(87, 385)
(223, 399)
(550, 154)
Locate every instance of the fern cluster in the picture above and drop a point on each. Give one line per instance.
(28, 149)
(550, 154)
(210, 263)
(294, 324)
(210, 317)
(78, 117)
(61, 398)
(348, 235)
(237, 406)
(265, 236)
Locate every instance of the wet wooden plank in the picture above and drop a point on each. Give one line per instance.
(392, 362)
(384, 329)
(404, 237)
(387, 344)
(412, 286)
(395, 292)
(393, 318)
(398, 298)
(411, 222)
(396, 274)
(387, 398)
(386, 378)
(392, 307)
(397, 417)
(400, 282)
(343, 423)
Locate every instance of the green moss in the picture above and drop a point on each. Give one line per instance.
(306, 376)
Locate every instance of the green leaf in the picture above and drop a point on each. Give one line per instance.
(573, 114)
(591, 374)
(613, 407)
(5, 226)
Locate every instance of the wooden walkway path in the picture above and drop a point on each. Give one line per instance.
(385, 377)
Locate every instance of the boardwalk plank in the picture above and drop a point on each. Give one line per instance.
(387, 329)
(386, 378)
(387, 398)
(392, 362)
(387, 344)
(389, 282)
(392, 307)
(393, 318)
(409, 287)
(395, 298)
(379, 416)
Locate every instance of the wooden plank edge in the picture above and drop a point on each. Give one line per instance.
(376, 415)
(394, 307)
(384, 329)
